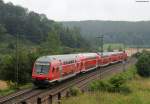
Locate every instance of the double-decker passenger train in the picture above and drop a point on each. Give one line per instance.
(55, 68)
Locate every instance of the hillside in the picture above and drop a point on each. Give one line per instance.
(35, 30)
(130, 33)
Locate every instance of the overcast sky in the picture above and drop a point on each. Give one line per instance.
(74, 10)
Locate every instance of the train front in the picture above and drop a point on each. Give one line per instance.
(41, 72)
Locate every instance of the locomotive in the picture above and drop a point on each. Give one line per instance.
(55, 68)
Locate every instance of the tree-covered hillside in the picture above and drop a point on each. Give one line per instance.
(26, 35)
(35, 30)
(130, 33)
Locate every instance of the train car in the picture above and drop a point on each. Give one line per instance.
(111, 57)
(119, 56)
(48, 69)
(90, 61)
(115, 57)
(55, 68)
(104, 59)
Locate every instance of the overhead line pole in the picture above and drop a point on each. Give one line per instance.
(101, 39)
(17, 60)
(102, 42)
(17, 57)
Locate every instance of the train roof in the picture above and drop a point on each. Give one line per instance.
(65, 57)
(88, 54)
(109, 53)
(69, 57)
(57, 57)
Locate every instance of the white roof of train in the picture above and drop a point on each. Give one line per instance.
(67, 57)
(64, 57)
(88, 54)
(57, 57)
(110, 53)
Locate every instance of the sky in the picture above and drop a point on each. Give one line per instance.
(77, 10)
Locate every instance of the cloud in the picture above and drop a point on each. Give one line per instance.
(61, 10)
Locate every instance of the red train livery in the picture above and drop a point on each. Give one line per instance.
(48, 69)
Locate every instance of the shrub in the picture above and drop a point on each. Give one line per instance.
(74, 91)
(143, 64)
(8, 71)
(116, 83)
(101, 85)
(136, 55)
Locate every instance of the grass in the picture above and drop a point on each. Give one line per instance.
(140, 93)
(13, 89)
(113, 46)
(6, 91)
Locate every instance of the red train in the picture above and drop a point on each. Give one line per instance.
(48, 69)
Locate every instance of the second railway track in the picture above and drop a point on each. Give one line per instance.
(49, 95)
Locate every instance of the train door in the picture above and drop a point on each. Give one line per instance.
(56, 72)
(78, 66)
(82, 66)
(60, 70)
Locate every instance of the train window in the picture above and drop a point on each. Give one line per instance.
(42, 69)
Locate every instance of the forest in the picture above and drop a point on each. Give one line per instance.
(36, 30)
(132, 34)
(26, 35)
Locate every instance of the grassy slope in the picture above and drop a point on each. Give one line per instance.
(12, 89)
(140, 92)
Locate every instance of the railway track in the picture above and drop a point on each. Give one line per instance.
(56, 92)
(9, 97)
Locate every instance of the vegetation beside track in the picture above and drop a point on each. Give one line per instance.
(26, 35)
(137, 93)
(115, 83)
(13, 88)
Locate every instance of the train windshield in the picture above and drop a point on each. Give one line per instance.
(42, 68)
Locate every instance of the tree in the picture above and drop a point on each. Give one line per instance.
(2, 31)
(120, 48)
(143, 64)
(36, 29)
(109, 48)
(25, 65)
(52, 43)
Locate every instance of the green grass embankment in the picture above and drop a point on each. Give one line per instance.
(138, 91)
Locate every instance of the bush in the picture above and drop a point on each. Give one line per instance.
(101, 85)
(74, 91)
(136, 55)
(117, 83)
(8, 68)
(143, 64)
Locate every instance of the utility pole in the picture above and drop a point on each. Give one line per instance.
(124, 62)
(17, 60)
(101, 39)
(124, 47)
(102, 42)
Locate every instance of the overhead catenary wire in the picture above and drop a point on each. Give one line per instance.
(102, 42)
(17, 36)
